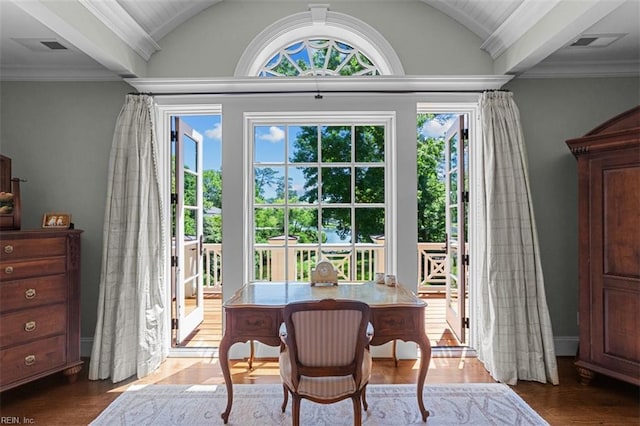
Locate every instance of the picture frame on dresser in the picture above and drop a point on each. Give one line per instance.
(56, 220)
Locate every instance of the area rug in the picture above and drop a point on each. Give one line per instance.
(454, 404)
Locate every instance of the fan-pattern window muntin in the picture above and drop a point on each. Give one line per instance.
(336, 185)
(318, 57)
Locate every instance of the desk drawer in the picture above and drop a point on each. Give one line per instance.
(31, 324)
(255, 322)
(17, 270)
(33, 292)
(30, 248)
(397, 321)
(32, 358)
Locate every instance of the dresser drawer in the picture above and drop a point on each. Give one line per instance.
(31, 324)
(32, 292)
(10, 271)
(29, 248)
(32, 358)
(396, 320)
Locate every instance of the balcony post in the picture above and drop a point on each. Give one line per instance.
(278, 258)
(380, 265)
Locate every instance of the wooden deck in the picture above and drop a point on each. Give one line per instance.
(209, 333)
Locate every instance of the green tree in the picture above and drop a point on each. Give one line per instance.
(431, 187)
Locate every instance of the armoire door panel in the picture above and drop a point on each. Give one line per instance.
(621, 334)
(621, 188)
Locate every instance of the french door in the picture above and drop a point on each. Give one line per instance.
(456, 196)
(187, 204)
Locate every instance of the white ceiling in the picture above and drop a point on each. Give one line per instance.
(503, 25)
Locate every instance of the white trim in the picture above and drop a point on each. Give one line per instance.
(318, 22)
(528, 13)
(583, 69)
(111, 14)
(255, 85)
(457, 12)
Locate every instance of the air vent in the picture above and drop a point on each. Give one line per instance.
(42, 45)
(54, 45)
(596, 40)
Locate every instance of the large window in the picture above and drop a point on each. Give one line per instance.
(319, 192)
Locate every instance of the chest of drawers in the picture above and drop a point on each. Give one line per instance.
(39, 305)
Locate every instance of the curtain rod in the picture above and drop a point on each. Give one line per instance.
(318, 93)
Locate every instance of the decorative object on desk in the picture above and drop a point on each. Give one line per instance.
(56, 220)
(10, 206)
(450, 404)
(379, 279)
(324, 273)
(390, 280)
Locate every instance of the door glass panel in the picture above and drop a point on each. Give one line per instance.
(453, 227)
(190, 188)
(336, 144)
(303, 144)
(303, 185)
(453, 147)
(453, 287)
(336, 224)
(369, 185)
(369, 224)
(190, 159)
(269, 185)
(336, 185)
(269, 144)
(453, 187)
(369, 144)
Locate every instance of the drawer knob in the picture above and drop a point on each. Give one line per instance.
(30, 326)
(8, 270)
(30, 293)
(29, 360)
(8, 249)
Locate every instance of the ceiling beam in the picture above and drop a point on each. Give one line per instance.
(561, 25)
(76, 24)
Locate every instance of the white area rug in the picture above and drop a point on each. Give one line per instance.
(455, 404)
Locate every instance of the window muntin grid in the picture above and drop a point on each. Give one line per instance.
(318, 57)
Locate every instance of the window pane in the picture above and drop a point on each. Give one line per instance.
(336, 225)
(369, 185)
(453, 187)
(453, 220)
(269, 144)
(453, 147)
(370, 144)
(268, 223)
(190, 189)
(336, 185)
(303, 144)
(336, 144)
(190, 159)
(303, 185)
(269, 185)
(369, 224)
(303, 224)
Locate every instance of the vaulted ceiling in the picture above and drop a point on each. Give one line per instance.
(596, 37)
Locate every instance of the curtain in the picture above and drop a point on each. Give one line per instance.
(515, 339)
(131, 323)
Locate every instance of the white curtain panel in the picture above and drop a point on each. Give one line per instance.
(130, 329)
(515, 339)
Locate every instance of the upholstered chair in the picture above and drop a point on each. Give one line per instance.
(324, 355)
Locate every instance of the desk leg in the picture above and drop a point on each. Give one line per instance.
(425, 360)
(225, 344)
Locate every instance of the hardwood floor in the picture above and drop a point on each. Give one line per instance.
(53, 401)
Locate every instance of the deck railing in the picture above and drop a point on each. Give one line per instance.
(358, 263)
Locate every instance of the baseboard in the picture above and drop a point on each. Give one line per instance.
(564, 345)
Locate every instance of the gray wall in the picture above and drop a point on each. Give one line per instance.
(552, 111)
(58, 136)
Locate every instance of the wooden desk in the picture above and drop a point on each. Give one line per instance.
(255, 313)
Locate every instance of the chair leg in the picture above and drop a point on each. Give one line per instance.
(295, 410)
(357, 411)
(286, 397)
(364, 398)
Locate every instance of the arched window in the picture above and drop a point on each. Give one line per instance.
(318, 57)
(318, 43)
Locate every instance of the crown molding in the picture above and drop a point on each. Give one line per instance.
(254, 85)
(583, 69)
(110, 13)
(56, 74)
(528, 14)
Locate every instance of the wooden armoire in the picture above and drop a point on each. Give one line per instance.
(609, 248)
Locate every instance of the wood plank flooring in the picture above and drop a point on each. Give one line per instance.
(52, 401)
